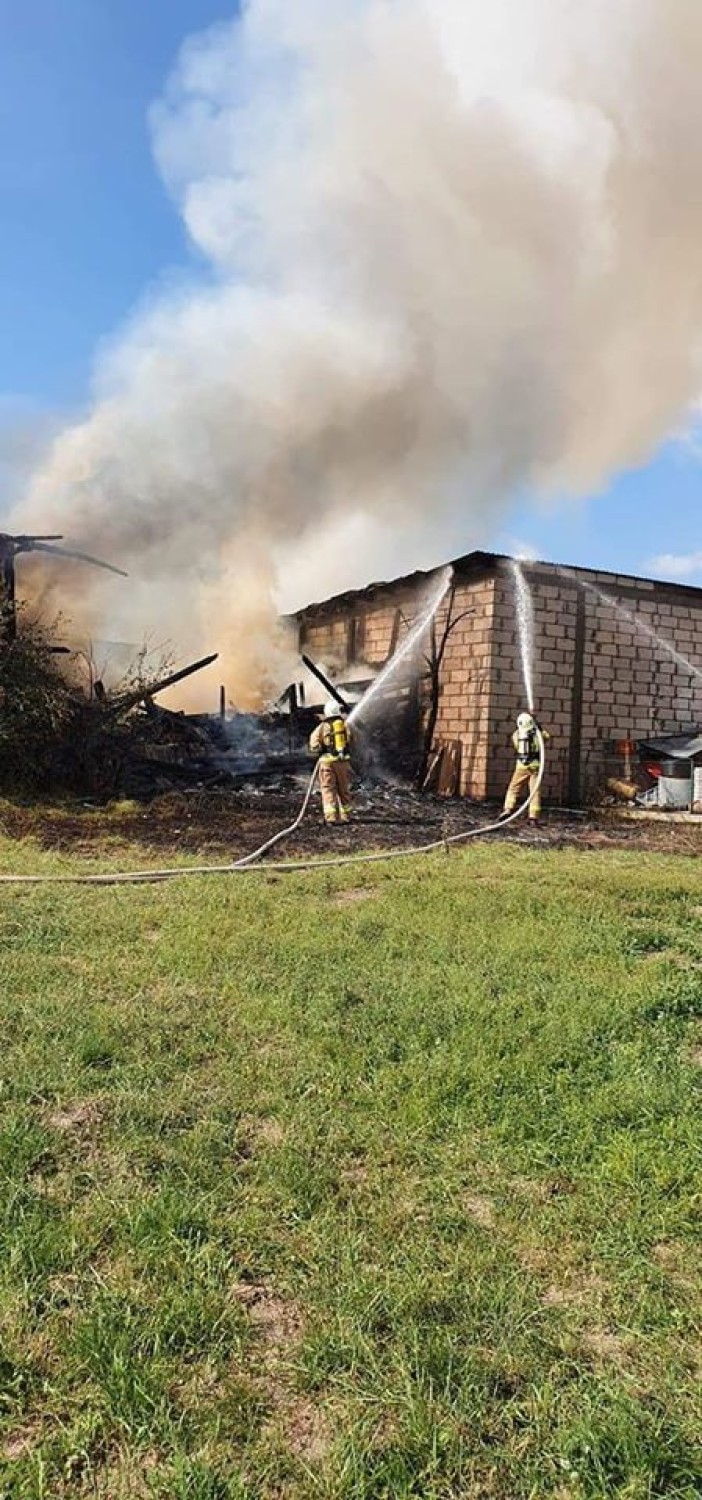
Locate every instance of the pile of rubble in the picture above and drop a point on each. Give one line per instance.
(109, 745)
(171, 751)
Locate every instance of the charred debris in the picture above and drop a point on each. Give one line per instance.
(61, 735)
(56, 737)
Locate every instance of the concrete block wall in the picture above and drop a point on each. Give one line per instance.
(325, 640)
(351, 635)
(464, 703)
(326, 636)
(554, 605)
(632, 685)
(378, 628)
(465, 680)
(598, 677)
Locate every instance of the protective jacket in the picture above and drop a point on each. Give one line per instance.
(526, 771)
(331, 740)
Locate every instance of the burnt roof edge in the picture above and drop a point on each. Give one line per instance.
(480, 564)
(474, 563)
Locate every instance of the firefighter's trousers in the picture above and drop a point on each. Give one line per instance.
(335, 785)
(523, 776)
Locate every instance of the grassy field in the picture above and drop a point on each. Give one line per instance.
(375, 1183)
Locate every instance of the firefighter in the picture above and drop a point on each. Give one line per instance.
(331, 742)
(526, 772)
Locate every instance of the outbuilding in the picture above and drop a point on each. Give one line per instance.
(614, 659)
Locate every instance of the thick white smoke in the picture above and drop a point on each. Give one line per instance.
(454, 251)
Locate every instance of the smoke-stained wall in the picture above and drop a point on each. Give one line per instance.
(344, 635)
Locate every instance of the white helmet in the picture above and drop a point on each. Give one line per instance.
(332, 709)
(525, 723)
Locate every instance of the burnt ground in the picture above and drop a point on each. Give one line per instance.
(232, 823)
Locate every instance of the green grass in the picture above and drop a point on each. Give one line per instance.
(388, 1196)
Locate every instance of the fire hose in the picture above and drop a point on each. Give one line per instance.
(248, 864)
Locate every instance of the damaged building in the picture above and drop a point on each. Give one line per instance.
(605, 668)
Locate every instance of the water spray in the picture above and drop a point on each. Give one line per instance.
(525, 623)
(408, 646)
(391, 666)
(638, 624)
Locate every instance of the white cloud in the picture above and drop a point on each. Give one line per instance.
(677, 565)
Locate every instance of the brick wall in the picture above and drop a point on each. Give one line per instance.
(355, 634)
(360, 632)
(631, 684)
(598, 676)
(465, 679)
(554, 604)
(325, 641)
(464, 703)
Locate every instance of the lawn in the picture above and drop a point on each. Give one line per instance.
(381, 1182)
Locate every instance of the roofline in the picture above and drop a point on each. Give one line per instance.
(473, 562)
(616, 583)
(481, 564)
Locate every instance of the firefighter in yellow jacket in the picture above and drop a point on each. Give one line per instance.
(526, 772)
(331, 742)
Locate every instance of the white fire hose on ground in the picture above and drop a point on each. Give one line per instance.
(248, 864)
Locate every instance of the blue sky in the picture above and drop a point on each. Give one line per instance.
(644, 520)
(86, 222)
(87, 228)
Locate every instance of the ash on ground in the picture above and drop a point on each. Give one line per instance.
(229, 823)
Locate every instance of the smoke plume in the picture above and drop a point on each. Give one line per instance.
(453, 253)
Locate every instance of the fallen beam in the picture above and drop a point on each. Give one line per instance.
(318, 673)
(150, 690)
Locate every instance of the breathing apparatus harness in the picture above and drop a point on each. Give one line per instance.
(335, 739)
(528, 749)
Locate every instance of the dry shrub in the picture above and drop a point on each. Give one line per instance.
(56, 736)
(39, 708)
